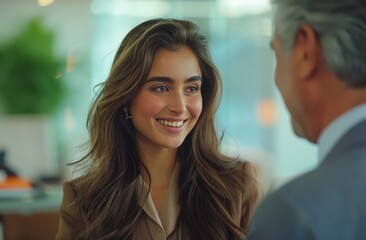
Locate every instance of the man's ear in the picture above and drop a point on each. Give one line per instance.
(308, 51)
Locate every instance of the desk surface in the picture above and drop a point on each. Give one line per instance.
(49, 202)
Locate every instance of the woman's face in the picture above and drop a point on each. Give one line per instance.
(169, 104)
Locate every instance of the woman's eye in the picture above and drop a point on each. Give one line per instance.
(160, 89)
(192, 89)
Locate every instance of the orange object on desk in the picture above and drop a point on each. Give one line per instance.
(15, 183)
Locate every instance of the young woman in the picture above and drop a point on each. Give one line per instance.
(154, 166)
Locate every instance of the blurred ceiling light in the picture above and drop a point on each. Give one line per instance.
(237, 8)
(266, 112)
(131, 8)
(44, 3)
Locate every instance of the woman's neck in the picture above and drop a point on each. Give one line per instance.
(160, 164)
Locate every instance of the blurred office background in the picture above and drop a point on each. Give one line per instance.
(87, 34)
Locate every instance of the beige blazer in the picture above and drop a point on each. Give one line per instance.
(152, 225)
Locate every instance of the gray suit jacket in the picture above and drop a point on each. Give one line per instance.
(328, 203)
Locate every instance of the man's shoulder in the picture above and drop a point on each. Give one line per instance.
(293, 202)
(301, 193)
(320, 190)
(300, 185)
(282, 212)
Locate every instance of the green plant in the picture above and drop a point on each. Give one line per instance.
(30, 72)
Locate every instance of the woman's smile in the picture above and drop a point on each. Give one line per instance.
(175, 124)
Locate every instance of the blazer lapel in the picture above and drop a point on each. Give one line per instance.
(148, 205)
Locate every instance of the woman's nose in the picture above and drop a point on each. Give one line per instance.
(177, 103)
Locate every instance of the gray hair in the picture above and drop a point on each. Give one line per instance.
(340, 26)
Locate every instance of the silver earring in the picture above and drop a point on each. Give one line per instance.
(127, 114)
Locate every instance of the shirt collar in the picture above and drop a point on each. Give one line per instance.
(337, 128)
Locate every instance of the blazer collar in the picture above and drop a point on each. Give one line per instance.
(168, 215)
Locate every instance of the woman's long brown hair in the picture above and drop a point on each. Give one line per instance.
(208, 182)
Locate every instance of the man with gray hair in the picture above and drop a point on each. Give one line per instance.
(320, 49)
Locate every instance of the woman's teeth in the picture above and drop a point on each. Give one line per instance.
(171, 124)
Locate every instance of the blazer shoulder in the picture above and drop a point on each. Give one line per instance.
(71, 220)
(70, 189)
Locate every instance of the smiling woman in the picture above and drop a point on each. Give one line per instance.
(169, 104)
(155, 170)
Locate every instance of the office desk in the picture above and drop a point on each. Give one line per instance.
(45, 203)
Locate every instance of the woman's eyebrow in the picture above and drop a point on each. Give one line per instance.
(194, 78)
(171, 80)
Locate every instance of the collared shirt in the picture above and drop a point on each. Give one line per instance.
(337, 128)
